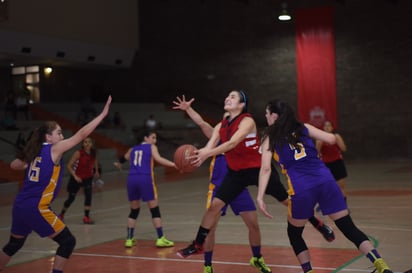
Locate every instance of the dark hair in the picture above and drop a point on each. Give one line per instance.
(144, 133)
(35, 142)
(287, 129)
(244, 99)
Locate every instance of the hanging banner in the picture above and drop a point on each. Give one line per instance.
(316, 66)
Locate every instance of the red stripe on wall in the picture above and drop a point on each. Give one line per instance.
(316, 65)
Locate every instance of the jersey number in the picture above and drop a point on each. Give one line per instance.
(299, 151)
(138, 158)
(34, 171)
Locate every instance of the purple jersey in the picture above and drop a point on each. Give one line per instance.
(31, 209)
(309, 180)
(140, 181)
(141, 161)
(302, 164)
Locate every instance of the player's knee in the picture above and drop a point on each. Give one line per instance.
(348, 228)
(134, 213)
(70, 200)
(296, 239)
(155, 212)
(66, 242)
(13, 245)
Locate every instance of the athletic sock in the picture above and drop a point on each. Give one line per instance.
(201, 235)
(373, 255)
(256, 251)
(208, 257)
(159, 231)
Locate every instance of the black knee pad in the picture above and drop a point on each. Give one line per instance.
(296, 239)
(13, 245)
(134, 213)
(66, 242)
(155, 212)
(348, 228)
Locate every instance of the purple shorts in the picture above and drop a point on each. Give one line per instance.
(328, 195)
(25, 220)
(141, 187)
(243, 202)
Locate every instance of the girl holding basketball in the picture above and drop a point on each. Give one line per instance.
(141, 185)
(243, 159)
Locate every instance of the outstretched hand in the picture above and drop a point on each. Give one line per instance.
(106, 108)
(182, 104)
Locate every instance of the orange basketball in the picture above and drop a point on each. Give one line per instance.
(182, 160)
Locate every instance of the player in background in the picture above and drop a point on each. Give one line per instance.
(141, 185)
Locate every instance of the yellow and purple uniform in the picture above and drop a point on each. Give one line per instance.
(31, 208)
(309, 180)
(140, 181)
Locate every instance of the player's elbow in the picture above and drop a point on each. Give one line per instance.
(265, 170)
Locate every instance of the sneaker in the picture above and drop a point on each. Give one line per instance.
(130, 242)
(87, 220)
(191, 249)
(208, 269)
(326, 231)
(259, 263)
(163, 242)
(381, 266)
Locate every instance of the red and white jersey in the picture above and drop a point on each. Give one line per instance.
(246, 154)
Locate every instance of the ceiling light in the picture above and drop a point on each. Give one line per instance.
(284, 15)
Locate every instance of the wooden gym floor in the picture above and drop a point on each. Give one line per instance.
(379, 196)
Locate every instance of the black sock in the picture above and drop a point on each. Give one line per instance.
(201, 235)
(315, 221)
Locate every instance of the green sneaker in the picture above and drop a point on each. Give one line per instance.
(208, 269)
(130, 242)
(381, 266)
(163, 242)
(259, 263)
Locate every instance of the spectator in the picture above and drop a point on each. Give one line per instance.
(22, 104)
(118, 121)
(150, 123)
(10, 105)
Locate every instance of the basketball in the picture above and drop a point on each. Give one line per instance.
(182, 160)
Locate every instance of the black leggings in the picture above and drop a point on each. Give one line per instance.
(73, 187)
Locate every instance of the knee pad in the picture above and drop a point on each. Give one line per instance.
(348, 228)
(66, 242)
(296, 239)
(155, 212)
(134, 213)
(13, 245)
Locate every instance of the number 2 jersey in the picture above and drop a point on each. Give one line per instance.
(302, 165)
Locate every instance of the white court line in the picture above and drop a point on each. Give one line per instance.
(202, 261)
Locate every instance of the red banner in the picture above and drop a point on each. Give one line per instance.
(316, 65)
